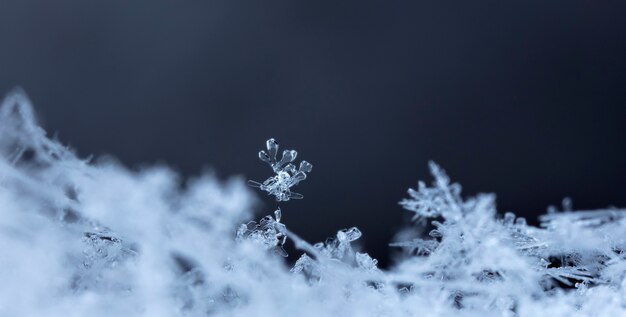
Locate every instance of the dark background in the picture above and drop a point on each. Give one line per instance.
(522, 98)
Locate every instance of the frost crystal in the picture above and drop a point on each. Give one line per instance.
(365, 261)
(417, 246)
(335, 256)
(268, 232)
(429, 202)
(339, 248)
(286, 176)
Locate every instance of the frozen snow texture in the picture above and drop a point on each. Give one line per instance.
(81, 238)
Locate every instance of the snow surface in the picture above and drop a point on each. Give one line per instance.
(82, 238)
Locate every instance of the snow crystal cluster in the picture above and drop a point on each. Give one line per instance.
(93, 238)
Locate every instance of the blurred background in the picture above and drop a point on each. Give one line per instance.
(526, 99)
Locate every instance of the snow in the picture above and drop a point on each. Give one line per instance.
(83, 238)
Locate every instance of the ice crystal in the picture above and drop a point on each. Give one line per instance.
(365, 261)
(443, 199)
(268, 232)
(417, 246)
(335, 257)
(287, 175)
(308, 267)
(339, 247)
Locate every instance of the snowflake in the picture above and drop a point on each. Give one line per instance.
(286, 176)
(443, 199)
